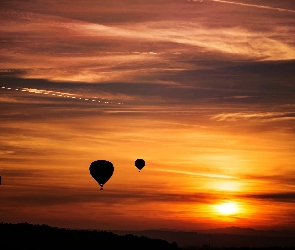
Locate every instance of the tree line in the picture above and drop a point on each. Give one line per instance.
(30, 236)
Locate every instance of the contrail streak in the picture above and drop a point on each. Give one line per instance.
(61, 94)
(254, 5)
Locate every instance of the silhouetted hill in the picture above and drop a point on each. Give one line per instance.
(249, 231)
(224, 237)
(28, 236)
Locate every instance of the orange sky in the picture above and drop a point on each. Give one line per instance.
(206, 101)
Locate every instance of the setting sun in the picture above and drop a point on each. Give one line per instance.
(227, 208)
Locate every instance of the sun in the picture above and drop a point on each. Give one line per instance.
(227, 208)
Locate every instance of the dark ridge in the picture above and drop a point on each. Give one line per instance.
(31, 236)
(225, 238)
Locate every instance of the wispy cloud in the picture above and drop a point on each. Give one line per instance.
(273, 196)
(265, 116)
(94, 52)
(208, 175)
(267, 7)
(254, 5)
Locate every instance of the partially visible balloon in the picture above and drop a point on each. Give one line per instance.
(140, 163)
(101, 171)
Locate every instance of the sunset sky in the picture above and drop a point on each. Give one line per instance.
(202, 90)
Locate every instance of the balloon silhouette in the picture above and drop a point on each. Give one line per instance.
(101, 171)
(140, 163)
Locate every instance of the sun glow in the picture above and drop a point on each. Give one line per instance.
(227, 208)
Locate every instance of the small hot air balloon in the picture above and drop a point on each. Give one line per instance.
(101, 171)
(140, 163)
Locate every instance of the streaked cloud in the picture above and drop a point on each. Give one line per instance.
(269, 116)
(254, 5)
(218, 176)
(104, 52)
(274, 197)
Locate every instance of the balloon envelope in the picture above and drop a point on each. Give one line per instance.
(101, 171)
(140, 163)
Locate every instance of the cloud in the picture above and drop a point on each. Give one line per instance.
(254, 5)
(47, 192)
(208, 175)
(266, 116)
(273, 196)
(287, 178)
(266, 7)
(10, 173)
(94, 52)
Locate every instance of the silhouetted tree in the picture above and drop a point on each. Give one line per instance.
(28, 236)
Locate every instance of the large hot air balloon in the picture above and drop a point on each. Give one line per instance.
(101, 171)
(140, 163)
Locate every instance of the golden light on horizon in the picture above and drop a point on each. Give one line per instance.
(227, 208)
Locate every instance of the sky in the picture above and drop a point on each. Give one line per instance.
(202, 90)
